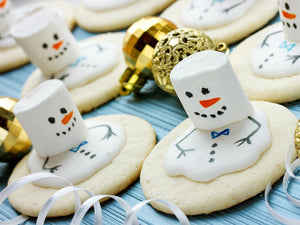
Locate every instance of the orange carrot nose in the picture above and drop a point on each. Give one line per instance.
(57, 45)
(288, 15)
(3, 3)
(209, 102)
(67, 118)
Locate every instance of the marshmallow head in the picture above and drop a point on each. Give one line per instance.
(289, 11)
(51, 119)
(7, 15)
(46, 40)
(209, 90)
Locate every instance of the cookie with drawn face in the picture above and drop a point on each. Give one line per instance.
(13, 56)
(270, 67)
(205, 155)
(100, 16)
(102, 154)
(223, 20)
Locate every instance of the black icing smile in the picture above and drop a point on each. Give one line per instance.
(62, 52)
(69, 128)
(213, 115)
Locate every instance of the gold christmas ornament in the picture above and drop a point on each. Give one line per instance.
(14, 142)
(174, 47)
(297, 139)
(138, 48)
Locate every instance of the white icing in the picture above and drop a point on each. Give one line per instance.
(206, 158)
(51, 119)
(6, 41)
(290, 18)
(101, 5)
(7, 15)
(46, 39)
(214, 13)
(95, 61)
(209, 90)
(104, 142)
(275, 56)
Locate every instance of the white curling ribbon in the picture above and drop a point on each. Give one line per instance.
(286, 177)
(82, 210)
(59, 194)
(174, 208)
(22, 181)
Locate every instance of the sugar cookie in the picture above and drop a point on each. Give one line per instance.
(13, 56)
(102, 16)
(227, 138)
(103, 154)
(224, 21)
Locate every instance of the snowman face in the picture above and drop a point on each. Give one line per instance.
(46, 40)
(56, 48)
(63, 122)
(290, 19)
(7, 17)
(210, 106)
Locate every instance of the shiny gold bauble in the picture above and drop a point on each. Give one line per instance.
(138, 47)
(14, 142)
(174, 47)
(297, 139)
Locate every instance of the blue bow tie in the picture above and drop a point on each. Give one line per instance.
(75, 149)
(215, 134)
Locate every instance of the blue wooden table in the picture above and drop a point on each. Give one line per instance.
(164, 112)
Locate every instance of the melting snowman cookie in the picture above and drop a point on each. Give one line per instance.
(103, 154)
(12, 55)
(100, 16)
(54, 50)
(223, 20)
(225, 152)
(272, 58)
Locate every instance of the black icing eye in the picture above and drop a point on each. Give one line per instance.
(189, 94)
(205, 91)
(55, 36)
(287, 6)
(51, 120)
(63, 110)
(45, 45)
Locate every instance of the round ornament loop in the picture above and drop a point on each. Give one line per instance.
(174, 47)
(138, 47)
(14, 142)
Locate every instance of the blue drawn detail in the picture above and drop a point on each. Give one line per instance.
(75, 149)
(215, 134)
(288, 47)
(214, 1)
(79, 60)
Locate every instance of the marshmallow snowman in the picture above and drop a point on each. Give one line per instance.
(278, 54)
(227, 133)
(62, 141)
(214, 13)
(210, 92)
(46, 40)
(288, 11)
(7, 16)
(53, 49)
(51, 119)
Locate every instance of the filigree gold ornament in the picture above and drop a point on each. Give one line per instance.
(14, 142)
(174, 47)
(297, 138)
(138, 47)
